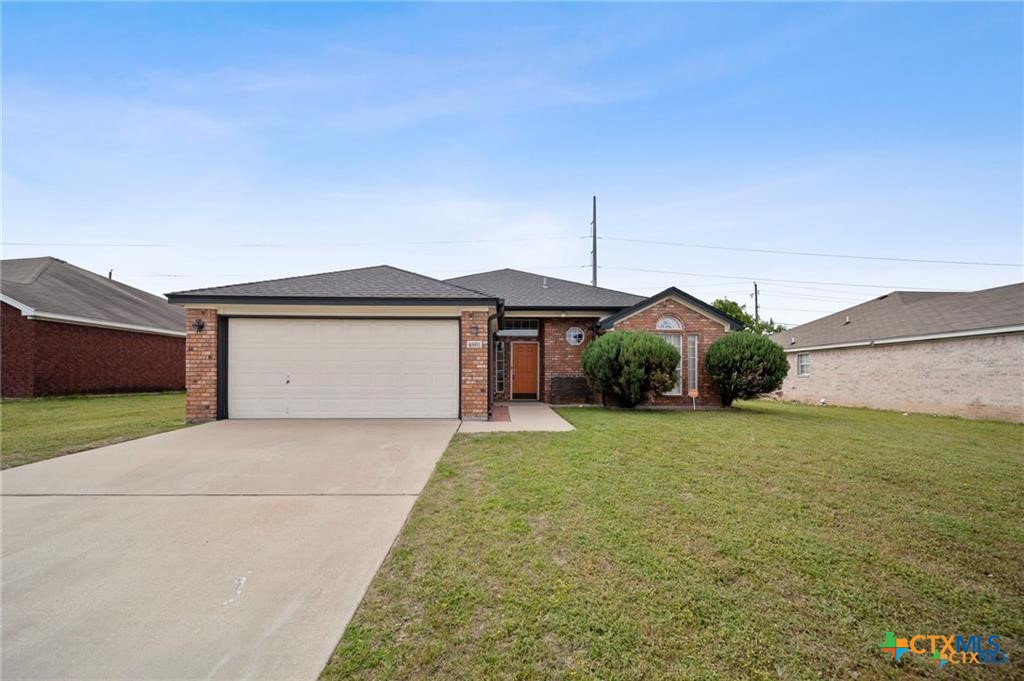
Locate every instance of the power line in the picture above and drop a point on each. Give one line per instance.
(812, 254)
(129, 244)
(792, 281)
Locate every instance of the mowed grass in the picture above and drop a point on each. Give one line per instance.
(770, 541)
(37, 429)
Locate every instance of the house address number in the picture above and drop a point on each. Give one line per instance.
(474, 344)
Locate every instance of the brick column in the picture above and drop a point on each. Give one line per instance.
(201, 366)
(474, 366)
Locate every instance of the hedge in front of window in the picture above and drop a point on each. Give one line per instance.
(630, 365)
(745, 365)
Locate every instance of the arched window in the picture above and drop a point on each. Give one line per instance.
(669, 324)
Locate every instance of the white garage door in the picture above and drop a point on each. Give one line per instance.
(343, 368)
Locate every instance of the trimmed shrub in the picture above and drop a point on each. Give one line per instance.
(630, 365)
(745, 365)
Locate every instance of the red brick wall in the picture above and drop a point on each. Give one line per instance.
(693, 322)
(17, 353)
(474, 368)
(201, 366)
(560, 360)
(53, 358)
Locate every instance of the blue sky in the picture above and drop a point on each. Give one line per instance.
(251, 141)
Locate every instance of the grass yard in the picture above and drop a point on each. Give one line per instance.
(772, 541)
(42, 428)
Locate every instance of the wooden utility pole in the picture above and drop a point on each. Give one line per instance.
(593, 247)
(757, 306)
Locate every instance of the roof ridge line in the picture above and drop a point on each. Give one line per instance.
(439, 281)
(546, 276)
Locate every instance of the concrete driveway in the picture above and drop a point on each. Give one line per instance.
(231, 550)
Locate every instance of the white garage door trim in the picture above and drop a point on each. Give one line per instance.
(342, 368)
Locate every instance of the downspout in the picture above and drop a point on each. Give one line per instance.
(500, 314)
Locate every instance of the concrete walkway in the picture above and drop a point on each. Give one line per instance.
(231, 550)
(524, 416)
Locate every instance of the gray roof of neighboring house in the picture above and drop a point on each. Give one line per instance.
(535, 291)
(382, 284)
(909, 313)
(53, 287)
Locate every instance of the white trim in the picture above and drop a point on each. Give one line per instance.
(704, 313)
(30, 313)
(512, 368)
(1015, 328)
(25, 309)
(518, 333)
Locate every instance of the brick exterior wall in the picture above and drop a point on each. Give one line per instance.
(474, 369)
(17, 353)
(562, 378)
(201, 366)
(52, 358)
(708, 331)
(975, 377)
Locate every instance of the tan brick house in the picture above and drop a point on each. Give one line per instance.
(381, 342)
(958, 353)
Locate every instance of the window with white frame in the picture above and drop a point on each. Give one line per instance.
(499, 366)
(675, 340)
(803, 364)
(692, 353)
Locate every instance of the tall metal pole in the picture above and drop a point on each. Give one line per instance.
(593, 247)
(757, 306)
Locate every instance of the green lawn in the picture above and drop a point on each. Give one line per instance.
(33, 430)
(771, 541)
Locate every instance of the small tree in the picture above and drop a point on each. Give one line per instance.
(739, 313)
(745, 365)
(630, 365)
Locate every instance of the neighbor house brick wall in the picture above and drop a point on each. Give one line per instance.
(708, 331)
(53, 358)
(17, 353)
(201, 366)
(974, 377)
(474, 368)
(563, 380)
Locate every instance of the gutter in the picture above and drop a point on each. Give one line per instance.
(991, 331)
(36, 315)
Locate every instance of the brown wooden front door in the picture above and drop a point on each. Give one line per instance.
(524, 370)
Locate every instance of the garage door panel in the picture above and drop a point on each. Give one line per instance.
(304, 368)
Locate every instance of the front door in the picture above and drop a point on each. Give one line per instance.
(525, 372)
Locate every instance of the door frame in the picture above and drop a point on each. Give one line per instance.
(512, 369)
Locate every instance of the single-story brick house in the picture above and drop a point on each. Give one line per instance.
(381, 342)
(66, 330)
(960, 354)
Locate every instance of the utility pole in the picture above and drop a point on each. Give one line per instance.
(757, 307)
(593, 247)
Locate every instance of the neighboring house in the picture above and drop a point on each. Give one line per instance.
(383, 342)
(66, 330)
(960, 354)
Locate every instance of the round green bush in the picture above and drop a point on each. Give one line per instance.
(630, 365)
(745, 365)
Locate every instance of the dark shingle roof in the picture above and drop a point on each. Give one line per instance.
(382, 283)
(51, 286)
(528, 290)
(909, 313)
